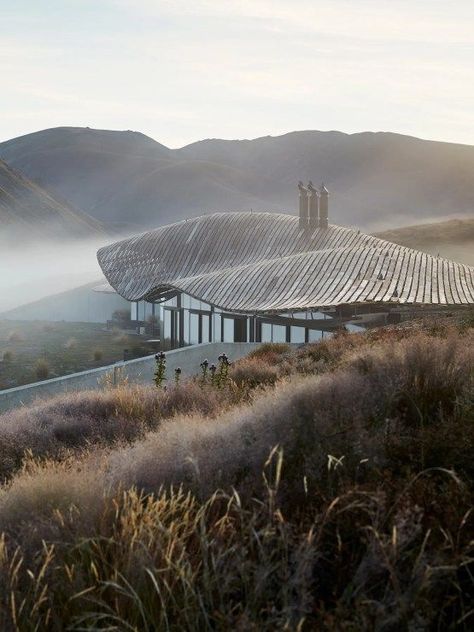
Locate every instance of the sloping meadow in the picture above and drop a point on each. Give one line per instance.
(324, 488)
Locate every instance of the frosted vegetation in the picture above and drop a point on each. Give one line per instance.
(329, 487)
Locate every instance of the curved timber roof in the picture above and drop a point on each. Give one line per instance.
(263, 262)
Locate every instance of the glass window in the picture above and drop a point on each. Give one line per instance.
(314, 335)
(266, 332)
(228, 330)
(193, 329)
(171, 302)
(216, 328)
(205, 328)
(297, 334)
(279, 333)
(186, 326)
(167, 324)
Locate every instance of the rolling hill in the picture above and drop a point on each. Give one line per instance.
(27, 212)
(453, 239)
(377, 180)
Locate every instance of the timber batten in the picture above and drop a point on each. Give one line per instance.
(266, 263)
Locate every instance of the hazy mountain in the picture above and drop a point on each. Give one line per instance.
(453, 239)
(376, 180)
(28, 211)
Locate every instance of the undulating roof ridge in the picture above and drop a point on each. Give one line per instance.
(261, 262)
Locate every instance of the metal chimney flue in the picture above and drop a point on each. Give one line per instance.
(303, 205)
(323, 207)
(313, 205)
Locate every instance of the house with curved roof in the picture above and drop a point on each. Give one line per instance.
(248, 276)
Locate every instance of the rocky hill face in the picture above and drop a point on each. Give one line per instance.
(27, 212)
(128, 180)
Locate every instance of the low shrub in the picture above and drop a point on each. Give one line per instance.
(327, 353)
(423, 376)
(42, 369)
(7, 356)
(252, 372)
(271, 352)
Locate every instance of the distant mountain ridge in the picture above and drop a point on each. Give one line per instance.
(27, 211)
(126, 179)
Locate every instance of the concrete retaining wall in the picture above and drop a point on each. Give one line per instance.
(140, 370)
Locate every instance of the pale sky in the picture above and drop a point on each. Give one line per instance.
(183, 70)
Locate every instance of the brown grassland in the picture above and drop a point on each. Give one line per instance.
(324, 488)
(37, 350)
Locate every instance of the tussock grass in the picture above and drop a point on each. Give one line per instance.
(328, 488)
(76, 421)
(42, 369)
(252, 372)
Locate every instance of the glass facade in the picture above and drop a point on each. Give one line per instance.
(184, 320)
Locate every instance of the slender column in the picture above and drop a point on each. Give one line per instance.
(258, 330)
(211, 323)
(181, 322)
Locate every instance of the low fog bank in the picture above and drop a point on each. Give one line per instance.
(398, 220)
(462, 253)
(32, 271)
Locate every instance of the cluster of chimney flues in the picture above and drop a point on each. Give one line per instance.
(313, 204)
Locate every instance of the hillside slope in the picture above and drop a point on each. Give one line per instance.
(325, 487)
(377, 180)
(28, 211)
(81, 304)
(453, 239)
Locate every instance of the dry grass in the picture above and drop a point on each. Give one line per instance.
(253, 372)
(42, 369)
(336, 495)
(77, 421)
